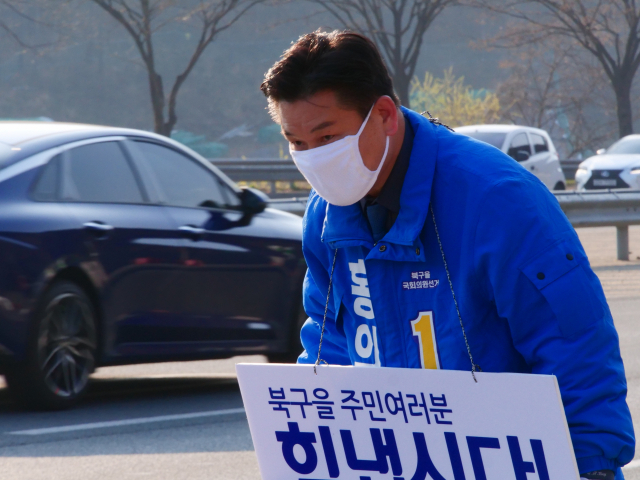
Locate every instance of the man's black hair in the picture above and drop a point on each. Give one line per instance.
(347, 63)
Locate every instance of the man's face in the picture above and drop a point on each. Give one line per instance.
(320, 120)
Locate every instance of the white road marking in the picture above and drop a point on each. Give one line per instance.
(631, 465)
(131, 421)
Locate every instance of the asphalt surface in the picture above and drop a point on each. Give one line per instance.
(185, 420)
(163, 421)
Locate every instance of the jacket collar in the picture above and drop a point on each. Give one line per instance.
(346, 226)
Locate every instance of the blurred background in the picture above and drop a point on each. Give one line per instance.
(74, 61)
(191, 70)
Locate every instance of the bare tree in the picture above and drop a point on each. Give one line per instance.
(11, 8)
(40, 16)
(397, 27)
(607, 29)
(143, 18)
(552, 87)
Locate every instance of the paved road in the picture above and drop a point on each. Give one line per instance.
(174, 444)
(195, 428)
(184, 420)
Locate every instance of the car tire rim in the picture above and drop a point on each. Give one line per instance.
(66, 345)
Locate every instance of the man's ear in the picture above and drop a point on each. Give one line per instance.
(388, 110)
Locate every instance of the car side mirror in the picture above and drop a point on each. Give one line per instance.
(522, 156)
(600, 151)
(253, 201)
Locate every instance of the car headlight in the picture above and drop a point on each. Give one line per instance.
(635, 171)
(581, 171)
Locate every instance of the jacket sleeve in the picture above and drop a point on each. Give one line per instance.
(319, 259)
(542, 284)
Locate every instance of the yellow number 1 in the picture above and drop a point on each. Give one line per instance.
(423, 329)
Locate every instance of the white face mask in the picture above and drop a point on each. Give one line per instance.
(336, 171)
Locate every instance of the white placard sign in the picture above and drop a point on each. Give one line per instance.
(355, 423)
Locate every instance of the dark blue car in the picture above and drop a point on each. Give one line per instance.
(120, 246)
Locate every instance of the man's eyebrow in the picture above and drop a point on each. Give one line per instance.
(322, 125)
(314, 129)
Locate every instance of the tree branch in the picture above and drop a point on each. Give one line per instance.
(399, 43)
(143, 21)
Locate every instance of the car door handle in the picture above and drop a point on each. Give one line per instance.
(98, 227)
(533, 167)
(192, 232)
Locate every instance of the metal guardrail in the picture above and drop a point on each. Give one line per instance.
(583, 209)
(259, 169)
(270, 170)
(277, 169)
(603, 208)
(607, 208)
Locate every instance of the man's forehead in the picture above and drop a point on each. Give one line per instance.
(310, 113)
(322, 99)
(307, 107)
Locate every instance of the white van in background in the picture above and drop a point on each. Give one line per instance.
(531, 147)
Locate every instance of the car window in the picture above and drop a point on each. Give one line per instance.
(184, 182)
(539, 143)
(492, 138)
(46, 187)
(520, 149)
(625, 145)
(100, 173)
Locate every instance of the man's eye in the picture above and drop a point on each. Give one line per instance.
(327, 138)
(297, 143)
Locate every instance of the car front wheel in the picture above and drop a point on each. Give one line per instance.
(61, 351)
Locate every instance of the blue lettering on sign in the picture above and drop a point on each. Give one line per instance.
(382, 451)
(329, 452)
(541, 462)
(520, 467)
(454, 456)
(387, 454)
(425, 464)
(305, 439)
(475, 444)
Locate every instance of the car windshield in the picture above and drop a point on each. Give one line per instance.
(625, 145)
(492, 138)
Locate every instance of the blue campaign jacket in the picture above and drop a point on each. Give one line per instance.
(527, 295)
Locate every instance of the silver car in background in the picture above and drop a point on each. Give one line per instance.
(531, 147)
(615, 167)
